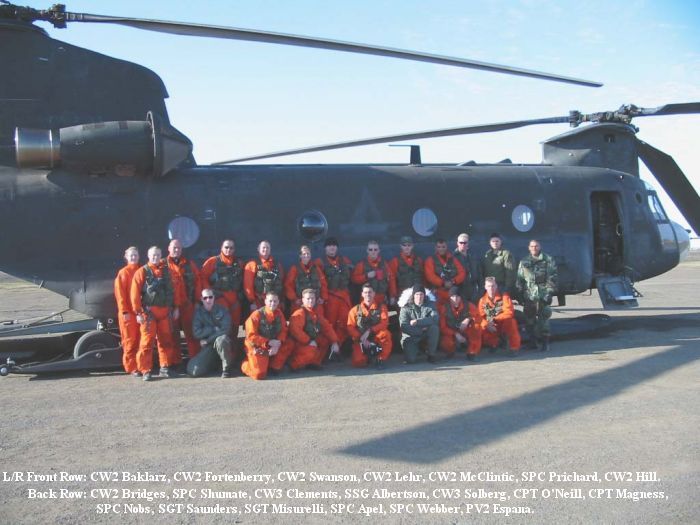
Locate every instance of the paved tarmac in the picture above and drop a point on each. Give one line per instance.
(598, 430)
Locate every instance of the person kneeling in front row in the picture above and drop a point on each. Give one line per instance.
(211, 326)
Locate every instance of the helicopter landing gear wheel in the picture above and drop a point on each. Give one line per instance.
(94, 340)
(4, 370)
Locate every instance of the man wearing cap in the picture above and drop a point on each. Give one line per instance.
(406, 268)
(419, 323)
(460, 326)
(337, 269)
(443, 271)
(499, 263)
(498, 317)
(211, 326)
(368, 325)
(471, 289)
(536, 284)
(375, 271)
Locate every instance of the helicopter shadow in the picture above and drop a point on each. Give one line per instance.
(437, 441)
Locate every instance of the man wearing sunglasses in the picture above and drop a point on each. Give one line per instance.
(211, 326)
(471, 289)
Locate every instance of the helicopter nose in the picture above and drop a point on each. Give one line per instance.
(683, 241)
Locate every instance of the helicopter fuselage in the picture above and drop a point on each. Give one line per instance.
(68, 230)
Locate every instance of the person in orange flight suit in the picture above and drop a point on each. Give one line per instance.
(337, 269)
(407, 267)
(443, 271)
(460, 325)
(498, 317)
(262, 275)
(128, 326)
(302, 276)
(187, 288)
(266, 341)
(368, 325)
(153, 300)
(375, 271)
(311, 334)
(223, 273)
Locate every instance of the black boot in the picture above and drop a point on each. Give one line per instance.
(531, 339)
(545, 344)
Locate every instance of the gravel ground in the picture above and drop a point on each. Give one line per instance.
(599, 430)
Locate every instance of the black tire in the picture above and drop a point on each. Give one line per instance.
(94, 340)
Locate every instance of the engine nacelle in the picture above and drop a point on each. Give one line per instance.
(132, 147)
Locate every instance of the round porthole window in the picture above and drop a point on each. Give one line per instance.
(425, 222)
(312, 225)
(523, 218)
(183, 229)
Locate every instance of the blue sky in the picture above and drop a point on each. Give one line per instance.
(238, 98)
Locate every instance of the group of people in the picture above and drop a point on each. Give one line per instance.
(451, 302)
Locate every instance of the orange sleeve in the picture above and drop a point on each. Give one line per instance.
(207, 270)
(251, 331)
(429, 271)
(197, 281)
(358, 274)
(327, 329)
(296, 327)
(482, 313)
(444, 329)
(352, 324)
(290, 291)
(383, 323)
(283, 333)
(249, 272)
(391, 279)
(178, 282)
(474, 313)
(136, 287)
(324, 284)
(508, 311)
(461, 274)
(393, 266)
(122, 293)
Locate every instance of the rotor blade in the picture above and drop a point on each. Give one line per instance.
(673, 181)
(670, 109)
(447, 132)
(253, 35)
(468, 130)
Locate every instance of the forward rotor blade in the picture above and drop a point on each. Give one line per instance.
(253, 35)
(468, 130)
(673, 181)
(670, 109)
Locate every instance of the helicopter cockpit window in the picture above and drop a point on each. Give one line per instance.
(425, 222)
(656, 208)
(312, 225)
(185, 230)
(523, 218)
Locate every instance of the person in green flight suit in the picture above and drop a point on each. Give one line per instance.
(537, 283)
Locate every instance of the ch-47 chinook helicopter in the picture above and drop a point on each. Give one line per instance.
(89, 164)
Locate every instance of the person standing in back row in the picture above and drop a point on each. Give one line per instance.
(128, 326)
(499, 263)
